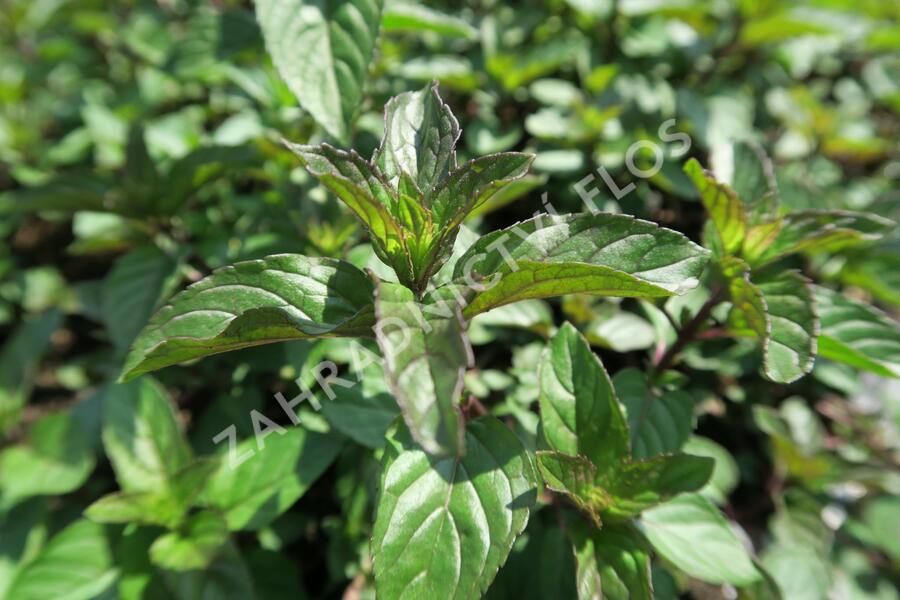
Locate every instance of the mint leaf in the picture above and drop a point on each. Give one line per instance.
(723, 205)
(403, 16)
(745, 167)
(76, 563)
(444, 526)
(166, 505)
(857, 334)
(426, 355)
(749, 311)
(790, 349)
(142, 438)
(473, 184)
(133, 289)
(366, 191)
(323, 51)
(636, 486)
(612, 563)
(277, 298)
(658, 424)
(690, 533)
(820, 231)
(573, 476)
(580, 414)
(56, 459)
(193, 546)
(780, 311)
(420, 134)
(600, 254)
(252, 494)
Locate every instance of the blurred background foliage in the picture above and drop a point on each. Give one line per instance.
(140, 149)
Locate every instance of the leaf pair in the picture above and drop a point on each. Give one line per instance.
(141, 190)
(746, 235)
(587, 433)
(160, 479)
(745, 220)
(602, 254)
(411, 196)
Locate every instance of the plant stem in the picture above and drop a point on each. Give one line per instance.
(688, 333)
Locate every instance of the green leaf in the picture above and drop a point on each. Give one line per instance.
(658, 424)
(580, 414)
(600, 254)
(277, 298)
(690, 533)
(636, 486)
(250, 495)
(363, 417)
(135, 286)
(779, 310)
(573, 476)
(226, 578)
(192, 547)
(426, 354)
(420, 134)
(473, 184)
(366, 191)
(725, 476)
(323, 51)
(75, 565)
(723, 205)
(745, 167)
(612, 563)
(790, 348)
(402, 16)
(57, 459)
(857, 334)
(196, 169)
(470, 508)
(67, 192)
(19, 358)
(820, 231)
(166, 505)
(749, 312)
(142, 438)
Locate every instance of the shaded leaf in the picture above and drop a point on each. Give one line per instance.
(573, 476)
(250, 495)
(790, 349)
(166, 505)
(426, 354)
(472, 508)
(658, 424)
(142, 438)
(134, 287)
(636, 486)
(613, 562)
(57, 458)
(580, 414)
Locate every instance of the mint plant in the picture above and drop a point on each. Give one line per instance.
(427, 353)
(412, 198)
